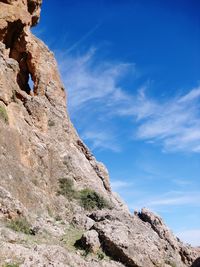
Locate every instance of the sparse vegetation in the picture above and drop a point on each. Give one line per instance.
(11, 265)
(72, 240)
(66, 188)
(172, 264)
(72, 236)
(20, 225)
(89, 199)
(101, 255)
(3, 114)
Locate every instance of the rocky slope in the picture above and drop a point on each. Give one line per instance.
(48, 216)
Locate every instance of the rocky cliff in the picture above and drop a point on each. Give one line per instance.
(56, 204)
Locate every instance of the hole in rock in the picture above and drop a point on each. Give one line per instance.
(25, 81)
(31, 7)
(30, 83)
(5, 1)
(13, 38)
(12, 33)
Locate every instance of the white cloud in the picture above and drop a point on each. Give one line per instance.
(174, 123)
(87, 82)
(185, 199)
(118, 185)
(167, 201)
(182, 182)
(101, 139)
(192, 95)
(83, 38)
(93, 92)
(190, 236)
(95, 95)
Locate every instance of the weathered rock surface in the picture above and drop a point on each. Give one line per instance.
(38, 147)
(186, 253)
(90, 241)
(136, 241)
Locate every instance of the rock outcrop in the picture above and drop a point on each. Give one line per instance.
(39, 147)
(141, 240)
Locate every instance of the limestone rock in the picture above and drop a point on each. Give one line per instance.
(38, 147)
(83, 221)
(132, 241)
(186, 252)
(90, 241)
(40, 142)
(47, 255)
(10, 207)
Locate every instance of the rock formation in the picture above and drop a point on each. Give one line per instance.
(56, 204)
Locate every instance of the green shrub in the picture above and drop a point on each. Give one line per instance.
(3, 114)
(89, 200)
(66, 188)
(20, 225)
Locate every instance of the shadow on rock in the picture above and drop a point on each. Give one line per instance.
(196, 263)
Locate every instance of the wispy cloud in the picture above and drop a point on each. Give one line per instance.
(88, 83)
(83, 38)
(95, 92)
(101, 139)
(178, 199)
(168, 200)
(175, 123)
(118, 185)
(182, 182)
(190, 236)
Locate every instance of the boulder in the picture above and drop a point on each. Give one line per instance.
(90, 241)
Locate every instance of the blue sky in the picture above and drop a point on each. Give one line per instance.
(132, 73)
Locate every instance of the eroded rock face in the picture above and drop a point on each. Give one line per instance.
(15, 15)
(187, 254)
(45, 147)
(141, 240)
(39, 146)
(90, 241)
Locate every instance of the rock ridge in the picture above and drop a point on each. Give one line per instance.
(39, 147)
